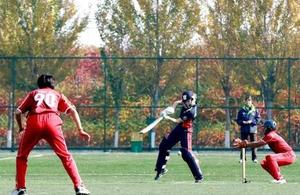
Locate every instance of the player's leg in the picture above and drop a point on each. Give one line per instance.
(283, 159)
(193, 164)
(287, 158)
(264, 165)
(163, 155)
(164, 151)
(273, 161)
(188, 156)
(56, 140)
(29, 139)
(253, 150)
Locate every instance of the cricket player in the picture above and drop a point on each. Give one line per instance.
(183, 133)
(284, 154)
(43, 107)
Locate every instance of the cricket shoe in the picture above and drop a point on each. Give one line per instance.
(199, 180)
(160, 174)
(81, 190)
(20, 191)
(279, 181)
(255, 161)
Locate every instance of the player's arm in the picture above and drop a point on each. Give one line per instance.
(256, 144)
(176, 103)
(178, 120)
(18, 116)
(238, 143)
(67, 107)
(24, 107)
(72, 112)
(175, 120)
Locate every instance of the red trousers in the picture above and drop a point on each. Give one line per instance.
(48, 127)
(272, 162)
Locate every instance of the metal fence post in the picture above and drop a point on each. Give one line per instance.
(12, 102)
(289, 99)
(197, 92)
(104, 68)
(10, 121)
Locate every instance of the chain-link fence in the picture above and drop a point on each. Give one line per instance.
(117, 96)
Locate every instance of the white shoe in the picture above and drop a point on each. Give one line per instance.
(21, 191)
(280, 181)
(241, 161)
(159, 175)
(81, 190)
(255, 161)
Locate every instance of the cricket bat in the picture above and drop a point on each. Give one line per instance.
(151, 126)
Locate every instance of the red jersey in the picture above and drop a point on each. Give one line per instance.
(277, 143)
(45, 100)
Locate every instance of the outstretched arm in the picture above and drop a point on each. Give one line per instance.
(238, 143)
(72, 112)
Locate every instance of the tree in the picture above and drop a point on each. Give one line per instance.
(260, 28)
(116, 75)
(39, 28)
(150, 28)
(223, 34)
(273, 28)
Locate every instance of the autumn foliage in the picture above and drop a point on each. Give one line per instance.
(85, 88)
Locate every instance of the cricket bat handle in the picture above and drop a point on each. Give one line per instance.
(151, 126)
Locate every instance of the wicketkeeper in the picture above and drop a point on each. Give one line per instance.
(284, 154)
(183, 133)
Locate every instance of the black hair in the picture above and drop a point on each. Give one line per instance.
(45, 80)
(247, 96)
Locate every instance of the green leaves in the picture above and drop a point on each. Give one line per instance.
(39, 28)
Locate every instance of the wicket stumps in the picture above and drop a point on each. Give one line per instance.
(244, 179)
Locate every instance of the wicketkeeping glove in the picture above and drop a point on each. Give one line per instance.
(238, 143)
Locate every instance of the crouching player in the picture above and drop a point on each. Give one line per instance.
(183, 133)
(284, 155)
(43, 106)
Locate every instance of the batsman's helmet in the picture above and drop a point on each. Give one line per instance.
(45, 80)
(188, 95)
(269, 125)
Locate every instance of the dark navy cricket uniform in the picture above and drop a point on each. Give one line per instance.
(183, 133)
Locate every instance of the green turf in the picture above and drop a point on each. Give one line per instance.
(130, 173)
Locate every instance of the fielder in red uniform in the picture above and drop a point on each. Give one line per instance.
(284, 154)
(43, 107)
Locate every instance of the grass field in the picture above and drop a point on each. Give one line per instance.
(133, 173)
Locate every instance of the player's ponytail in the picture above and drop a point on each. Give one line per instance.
(45, 80)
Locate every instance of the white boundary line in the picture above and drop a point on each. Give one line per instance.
(30, 156)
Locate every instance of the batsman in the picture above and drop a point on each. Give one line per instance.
(183, 133)
(284, 154)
